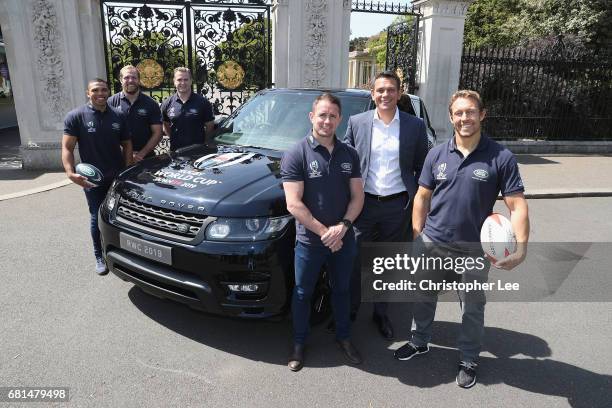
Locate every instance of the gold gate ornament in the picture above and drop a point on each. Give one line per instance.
(151, 73)
(230, 74)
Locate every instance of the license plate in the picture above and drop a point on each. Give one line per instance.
(156, 252)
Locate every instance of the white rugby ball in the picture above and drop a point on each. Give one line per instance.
(90, 172)
(497, 237)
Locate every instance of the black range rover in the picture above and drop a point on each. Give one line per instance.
(207, 225)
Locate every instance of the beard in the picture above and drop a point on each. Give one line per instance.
(131, 89)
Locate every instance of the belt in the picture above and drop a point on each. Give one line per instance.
(387, 198)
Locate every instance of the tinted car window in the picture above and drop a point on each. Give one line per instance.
(277, 120)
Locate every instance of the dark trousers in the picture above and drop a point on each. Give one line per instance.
(379, 221)
(95, 196)
(308, 262)
(472, 305)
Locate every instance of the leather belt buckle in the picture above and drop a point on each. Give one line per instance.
(386, 198)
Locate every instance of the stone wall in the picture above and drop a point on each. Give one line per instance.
(53, 48)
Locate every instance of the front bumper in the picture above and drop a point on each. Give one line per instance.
(200, 274)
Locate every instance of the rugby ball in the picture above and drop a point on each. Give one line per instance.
(90, 172)
(497, 237)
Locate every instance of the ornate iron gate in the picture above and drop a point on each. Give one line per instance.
(226, 44)
(402, 37)
(402, 40)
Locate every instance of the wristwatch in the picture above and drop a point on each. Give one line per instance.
(347, 223)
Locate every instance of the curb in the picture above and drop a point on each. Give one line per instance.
(577, 194)
(565, 194)
(36, 190)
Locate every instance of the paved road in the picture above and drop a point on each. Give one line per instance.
(115, 346)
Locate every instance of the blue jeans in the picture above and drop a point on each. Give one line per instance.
(95, 196)
(309, 259)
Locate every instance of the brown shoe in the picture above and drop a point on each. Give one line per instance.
(296, 358)
(350, 351)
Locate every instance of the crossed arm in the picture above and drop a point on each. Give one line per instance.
(330, 236)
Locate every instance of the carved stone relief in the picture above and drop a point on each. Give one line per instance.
(315, 42)
(450, 7)
(49, 62)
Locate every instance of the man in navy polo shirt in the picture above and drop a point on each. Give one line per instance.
(142, 113)
(324, 192)
(458, 188)
(188, 117)
(104, 141)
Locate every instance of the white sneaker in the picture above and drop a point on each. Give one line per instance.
(101, 268)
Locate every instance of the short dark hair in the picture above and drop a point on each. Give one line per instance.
(326, 96)
(94, 80)
(388, 75)
(468, 94)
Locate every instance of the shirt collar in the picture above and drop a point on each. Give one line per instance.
(91, 108)
(123, 96)
(177, 97)
(395, 117)
(482, 143)
(314, 143)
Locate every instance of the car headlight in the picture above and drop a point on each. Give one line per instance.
(111, 197)
(246, 229)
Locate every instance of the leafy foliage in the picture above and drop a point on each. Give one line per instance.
(358, 44)
(514, 22)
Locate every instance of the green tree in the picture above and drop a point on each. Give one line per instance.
(512, 22)
(358, 43)
(377, 44)
(486, 23)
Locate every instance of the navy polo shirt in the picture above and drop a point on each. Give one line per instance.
(187, 119)
(99, 136)
(326, 178)
(465, 189)
(140, 115)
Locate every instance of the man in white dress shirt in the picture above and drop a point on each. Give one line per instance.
(392, 146)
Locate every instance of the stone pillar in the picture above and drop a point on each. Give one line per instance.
(440, 50)
(311, 43)
(53, 48)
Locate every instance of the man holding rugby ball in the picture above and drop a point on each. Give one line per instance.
(458, 187)
(104, 142)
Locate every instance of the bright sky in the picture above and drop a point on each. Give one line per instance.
(367, 24)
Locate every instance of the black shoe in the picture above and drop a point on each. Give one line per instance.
(296, 358)
(384, 326)
(466, 377)
(409, 350)
(350, 351)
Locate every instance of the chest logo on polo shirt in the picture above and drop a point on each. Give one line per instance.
(346, 167)
(171, 112)
(91, 127)
(116, 126)
(441, 172)
(192, 111)
(314, 169)
(142, 112)
(480, 175)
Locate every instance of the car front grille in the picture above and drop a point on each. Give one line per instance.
(167, 222)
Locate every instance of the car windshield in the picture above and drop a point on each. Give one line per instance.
(276, 120)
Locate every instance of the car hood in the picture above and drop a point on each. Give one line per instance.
(221, 181)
